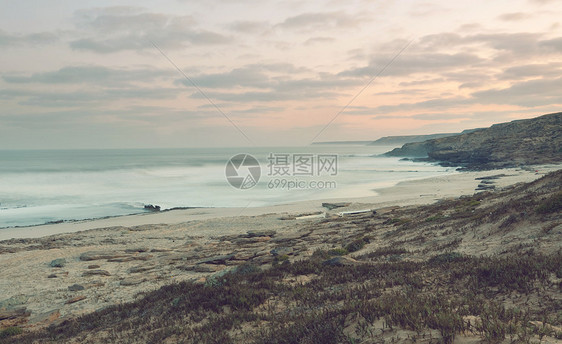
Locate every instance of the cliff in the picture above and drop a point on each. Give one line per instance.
(521, 142)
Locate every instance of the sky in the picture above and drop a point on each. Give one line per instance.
(225, 73)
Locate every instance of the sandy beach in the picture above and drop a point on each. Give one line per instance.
(110, 261)
(413, 192)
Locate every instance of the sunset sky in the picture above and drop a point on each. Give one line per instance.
(85, 74)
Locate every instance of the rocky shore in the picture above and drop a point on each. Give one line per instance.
(522, 142)
(52, 280)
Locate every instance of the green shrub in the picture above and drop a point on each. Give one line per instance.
(435, 218)
(445, 258)
(10, 331)
(397, 221)
(356, 245)
(552, 204)
(337, 252)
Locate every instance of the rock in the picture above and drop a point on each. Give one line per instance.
(244, 255)
(141, 268)
(96, 255)
(216, 259)
(132, 281)
(261, 233)
(340, 261)
(265, 252)
(282, 251)
(58, 263)
(14, 313)
(287, 217)
(208, 268)
(75, 299)
(93, 266)
(76, 287)
(135, 250)
(263, 260)
(96, 273)
(52, 276)
(290, 236)
(251, 240)
(332, 206)
(13, 301)
(523, 142)
(234, 262)
(121, 259)
(143, 257)
(161, 250)
(151, 207)
(45, 318)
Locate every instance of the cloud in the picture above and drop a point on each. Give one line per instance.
(322, 20)
(531, 70)
(85, 97)
(9, 39)
(247, 26)
(270, 82)
(319, 40)
(527, 93)
(415, 63)
(124, 28)
(258, 75)
(433, 104)
(554, 44)
(516, 16)
(90, 74)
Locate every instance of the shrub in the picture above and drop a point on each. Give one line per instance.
(356, 245)
(552, 204)
(445, 258)
(10, 331)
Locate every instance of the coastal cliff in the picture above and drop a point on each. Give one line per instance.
(521, 142)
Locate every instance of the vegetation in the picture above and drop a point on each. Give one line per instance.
(10, 331)
(257, 306)
(551, 205)
(419, 285)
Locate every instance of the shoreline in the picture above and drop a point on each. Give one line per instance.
(67, 270)
(405, 193)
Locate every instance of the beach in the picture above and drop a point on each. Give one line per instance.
(411, 192)
(110, 261)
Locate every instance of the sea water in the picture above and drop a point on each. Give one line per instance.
(42, 186)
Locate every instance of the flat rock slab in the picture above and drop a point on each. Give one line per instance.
(14, 313)
(96, 273)
(261, 233)
(135, 250)
(76, 287)
(58, 263)
(96, 255)
(341, 261)
(331, 206)
(282, 251)
(290, 236)
(45, 318)
(251, 240)
(216, 259)
(14, 301)
(141, 268)
(132, 281)
(75, 299)
(121, 259)
(205, 268)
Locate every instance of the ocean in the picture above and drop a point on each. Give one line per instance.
(42, 186)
